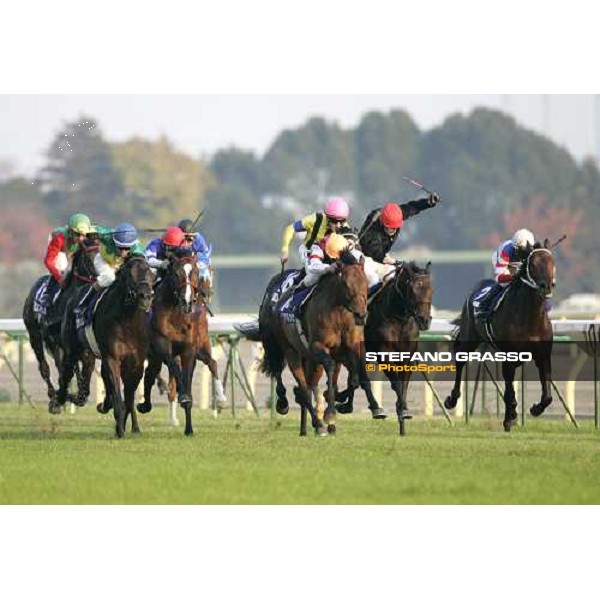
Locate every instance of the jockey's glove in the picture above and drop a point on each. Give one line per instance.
(433, 199)
(164, 264)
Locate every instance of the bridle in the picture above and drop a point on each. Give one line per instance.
(527, 279)
(180, 292)
(411, 307)
(134, 286)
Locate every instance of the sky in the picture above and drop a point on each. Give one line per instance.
(202, 124)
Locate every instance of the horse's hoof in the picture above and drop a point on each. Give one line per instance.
(144, 408)
(54, 408)
(378, 413)
(102, 409)
(282, 406)
(138, 430)
(80, 400)
(303, 434)
(189, 433)
(507, 425)
(450, 402)
(537, 409)
(331, 430)
(345, 409)
(404, 415)
(321, 431)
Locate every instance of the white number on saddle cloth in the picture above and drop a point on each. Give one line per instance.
(288, 282)
(481, 295)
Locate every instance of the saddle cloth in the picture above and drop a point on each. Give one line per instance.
(84, 315)
(292, 307)
(481, 294)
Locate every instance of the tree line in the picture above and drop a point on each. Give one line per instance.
(493, 175)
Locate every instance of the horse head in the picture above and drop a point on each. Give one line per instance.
(184, 277)
(83, 261)
(413, 285)
(538, 270)
(354, 285)
(137, 278)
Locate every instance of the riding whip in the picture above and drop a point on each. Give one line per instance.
(418, 185)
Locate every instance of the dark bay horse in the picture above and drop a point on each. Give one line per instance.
(397, 313)
(179, 335)
(520, 324)
(332, 330)
(122, 331)
(45, 332)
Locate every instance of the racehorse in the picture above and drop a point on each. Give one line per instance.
(121, 330)
(398, 311)
(330, 330)
(179, 330)
(45, 331)
(520, 324)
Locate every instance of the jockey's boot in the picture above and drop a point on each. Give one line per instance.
(85, 297)
(48, 299)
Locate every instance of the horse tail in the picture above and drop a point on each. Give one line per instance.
(273, 360)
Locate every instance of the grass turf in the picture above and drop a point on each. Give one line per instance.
(73, 459)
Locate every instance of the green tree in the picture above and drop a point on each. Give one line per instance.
(161, 184)
(311, 162)
(80, 175)
(387, 147)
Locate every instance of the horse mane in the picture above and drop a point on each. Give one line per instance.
(347, 258)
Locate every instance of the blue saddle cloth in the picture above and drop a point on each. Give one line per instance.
(293, 306)
(86, 307)
(39, 299)
(487, 298)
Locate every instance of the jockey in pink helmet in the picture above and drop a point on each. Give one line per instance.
(316, 225)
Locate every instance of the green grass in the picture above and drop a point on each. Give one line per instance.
(73, 459)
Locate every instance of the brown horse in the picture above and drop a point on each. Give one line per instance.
(46, 332)
(179, 335)
(521, 324)
(397, 313)
(122, 331)
(331, 331)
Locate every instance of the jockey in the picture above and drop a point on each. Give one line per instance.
(506, 260)
(317, 226)
(62, 244)
(159, 250)
(320, 261)
(382, 227)
(199, 247)
(115, 247)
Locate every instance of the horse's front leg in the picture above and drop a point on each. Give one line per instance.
(205, 355)
(510, 399)
(303, 397)
(131, 380)
(111, 375)
(150, 375)
(89, 361)
(188, 364)
(543, 362)
(323, 357)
